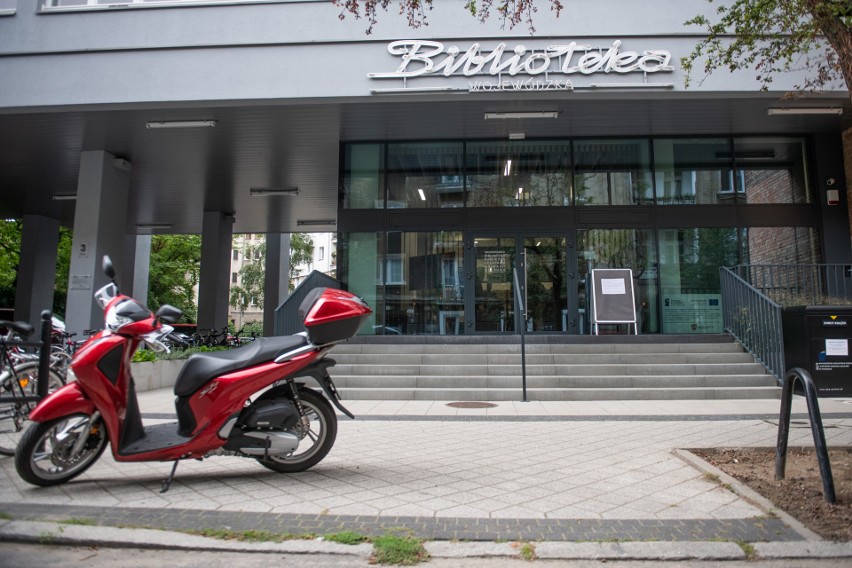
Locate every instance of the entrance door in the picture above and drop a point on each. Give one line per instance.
(493, 284)
(544, 273)
(541, 285)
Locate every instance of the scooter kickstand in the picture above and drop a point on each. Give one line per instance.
(168, 482)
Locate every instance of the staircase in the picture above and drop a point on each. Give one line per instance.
(651, 367)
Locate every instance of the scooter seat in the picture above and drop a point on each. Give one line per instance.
(201, 368)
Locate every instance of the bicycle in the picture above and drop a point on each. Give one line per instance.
(62, 350)
(19, 375)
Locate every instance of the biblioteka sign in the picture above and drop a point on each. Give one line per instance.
(520, 69)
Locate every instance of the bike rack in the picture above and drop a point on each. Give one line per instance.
(794, 374)
(43, 361)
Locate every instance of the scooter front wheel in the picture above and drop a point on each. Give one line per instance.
(318, 432)
(54, 452)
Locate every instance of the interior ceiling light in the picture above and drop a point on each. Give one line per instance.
(805, 110)
(180, 123)
(267, 191)
(517, 136)
(507, 170)
(422, 195)
(523, 114)
(65, 197)
(303, 222)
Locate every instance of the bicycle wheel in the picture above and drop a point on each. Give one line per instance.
(22, 381)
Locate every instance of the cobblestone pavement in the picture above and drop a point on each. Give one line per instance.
(551, 476)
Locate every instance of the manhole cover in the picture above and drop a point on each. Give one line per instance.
(471, 404)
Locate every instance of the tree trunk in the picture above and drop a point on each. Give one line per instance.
(827, 17)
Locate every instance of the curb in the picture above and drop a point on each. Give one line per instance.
(748, 494)
(37, 532)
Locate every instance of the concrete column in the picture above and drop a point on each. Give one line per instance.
(829, 168)
(36, 269)
(100, 220)
(137, 251)
(277, 275)
(217, 231)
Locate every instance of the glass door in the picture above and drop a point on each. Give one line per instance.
(544, 277)
(493, 284)
(542, 284)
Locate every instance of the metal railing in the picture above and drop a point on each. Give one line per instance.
(800, 284)
(753, 295)
(754, 320)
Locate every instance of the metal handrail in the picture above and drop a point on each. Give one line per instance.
(752, 296)
(754, 320)
(793, 375)
(800, 284)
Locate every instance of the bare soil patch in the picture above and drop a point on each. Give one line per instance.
(800, 493)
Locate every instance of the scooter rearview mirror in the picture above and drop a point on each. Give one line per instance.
(109, 269)
(169, 314)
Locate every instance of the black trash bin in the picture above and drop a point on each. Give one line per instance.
(817, 339)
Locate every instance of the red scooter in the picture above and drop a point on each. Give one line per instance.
(243, 402)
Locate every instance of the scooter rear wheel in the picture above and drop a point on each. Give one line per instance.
(45, 455)
(317, 440)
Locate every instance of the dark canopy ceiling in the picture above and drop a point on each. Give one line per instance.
(177, 174)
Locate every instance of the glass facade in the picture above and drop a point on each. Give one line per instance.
(604, 203)
(582, 172)
(612, 172)
(694, 171)
(689, 277)
(518, 174)
(425, 174)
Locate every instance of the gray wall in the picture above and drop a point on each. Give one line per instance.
(292, 50)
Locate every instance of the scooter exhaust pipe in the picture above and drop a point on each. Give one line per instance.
(272, 443)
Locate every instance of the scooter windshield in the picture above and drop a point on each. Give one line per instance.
(106, 294)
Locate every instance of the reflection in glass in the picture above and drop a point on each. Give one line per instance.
(772, 170)
(689, 277)
(619, 248)
(694, 171)
(423, 285)
(494, 302)
(358, 257)
(547, 286)
(518, 174)
(612, 172)
(363, 169)
(780, 245)
(425, 174)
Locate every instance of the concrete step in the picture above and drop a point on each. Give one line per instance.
(590, 382)
(557, 368)
(392, 359)
(461, 394)
(532, 349)
(549, 370)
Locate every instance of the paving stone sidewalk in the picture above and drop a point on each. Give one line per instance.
(516, 476)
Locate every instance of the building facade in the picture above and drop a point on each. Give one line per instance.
(468, 170)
